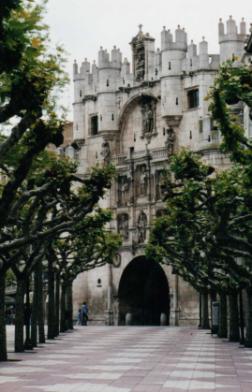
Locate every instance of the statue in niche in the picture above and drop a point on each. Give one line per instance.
(143, 181)
(141, 228)
(170, 141)
(148, 119)
(106, 152)
(123, 190)
(123, 226)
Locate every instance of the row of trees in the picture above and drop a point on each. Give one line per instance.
(205, 232)
(49, 220)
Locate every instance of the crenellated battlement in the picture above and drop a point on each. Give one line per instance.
(231, 32)
(169, 43)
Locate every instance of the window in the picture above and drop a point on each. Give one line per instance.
(112, 117)
(190, 135)
(201, 126)
(177, 101)
(94, 125)
(100, 117)
(107, 82)
(156, 71)
(193, 98)
(169, 65)
(80, 93)
(190, 62)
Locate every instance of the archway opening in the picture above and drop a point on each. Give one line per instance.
(143, 293)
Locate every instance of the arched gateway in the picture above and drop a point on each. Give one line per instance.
(143, 292)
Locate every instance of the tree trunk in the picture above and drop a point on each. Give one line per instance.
(234, 333)
(248, 340)
(69, 305)
(51, 300)
(28, 342)
(40, 303)
(34, 315)
(242, 323)
(200, 311)
(63, 327)
(222, 330)
(3, 342)
(19, 317)
(57, 304)
(205, 311)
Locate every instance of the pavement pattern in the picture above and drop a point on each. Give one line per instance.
(130, 359)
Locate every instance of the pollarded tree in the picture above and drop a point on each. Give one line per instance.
(233, 87)
(90, 245)
(198, 234)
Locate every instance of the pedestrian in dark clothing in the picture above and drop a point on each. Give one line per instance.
(84, 313)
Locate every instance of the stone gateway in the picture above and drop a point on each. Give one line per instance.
(136, 119)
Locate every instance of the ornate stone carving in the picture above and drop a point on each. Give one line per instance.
(123, 226)
(142, 181)
(123, 190)
(170, 141)
(106, 152)
(141, 227)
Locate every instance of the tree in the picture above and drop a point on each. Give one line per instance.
(28, 76)
(233, 86)
(200, 231)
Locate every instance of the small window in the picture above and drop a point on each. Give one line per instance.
(123, 81)
(164, 131)
(200, 126)
(80, 93)
(177, 101)
(100, 117)
(94, 125)
(107, 82)
(193, 98)
(112, 117)
(156, 71)
(190, 62)
(169, 65)
(190, 135)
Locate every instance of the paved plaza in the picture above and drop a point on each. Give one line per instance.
(130, 359)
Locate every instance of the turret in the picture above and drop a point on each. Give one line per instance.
(203, 54)
(232, 41)
(75, 69)
(173, 52)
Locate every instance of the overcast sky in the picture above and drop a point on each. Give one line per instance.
(82, 26)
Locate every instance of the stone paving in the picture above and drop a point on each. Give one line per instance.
(131, 359)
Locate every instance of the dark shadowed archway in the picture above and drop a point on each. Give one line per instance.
(143, 292)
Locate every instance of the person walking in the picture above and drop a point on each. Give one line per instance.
(84, 314)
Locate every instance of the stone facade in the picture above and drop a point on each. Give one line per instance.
(137, 119)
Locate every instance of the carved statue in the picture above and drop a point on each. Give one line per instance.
(148, 119)
(106, 153)
(141, 228)
(170, 142)
(123, 190)
(123, 226)
(143, 181)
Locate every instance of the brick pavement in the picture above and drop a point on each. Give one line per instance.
(131, 359)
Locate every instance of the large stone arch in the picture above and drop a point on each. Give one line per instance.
(143, 292)
(136, 101)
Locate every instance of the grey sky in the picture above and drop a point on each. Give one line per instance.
(82, 26)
